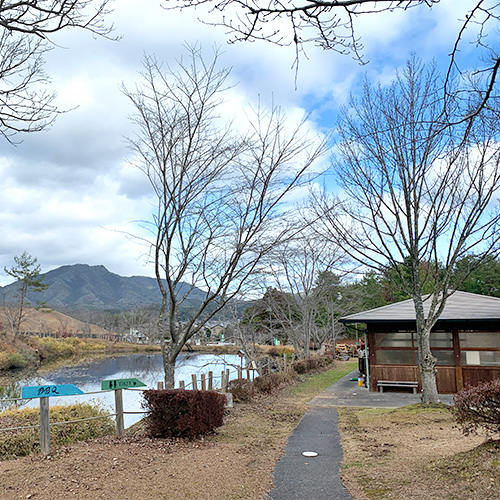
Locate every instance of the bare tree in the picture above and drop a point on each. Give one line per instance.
(222, 197)
(332, 25)
(25, 31)
(306, 309)
(417, 198)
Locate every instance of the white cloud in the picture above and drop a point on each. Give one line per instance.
(67, 192)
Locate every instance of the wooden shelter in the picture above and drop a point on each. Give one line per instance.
(465, 341)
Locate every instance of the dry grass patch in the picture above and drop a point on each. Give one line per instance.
(416, 453)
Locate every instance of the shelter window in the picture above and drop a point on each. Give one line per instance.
(444, 357)
(395, 357)
(483, 358)
(479, 340)
(394, 339)
(442, 339)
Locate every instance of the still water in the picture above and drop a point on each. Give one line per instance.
(147, 368)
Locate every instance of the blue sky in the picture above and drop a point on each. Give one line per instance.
(68, 193)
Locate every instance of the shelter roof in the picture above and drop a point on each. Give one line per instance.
(461, 306)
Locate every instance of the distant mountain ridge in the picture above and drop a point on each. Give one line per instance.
(81, 286)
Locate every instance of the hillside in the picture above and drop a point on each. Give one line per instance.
(49, 321)
(81, 286)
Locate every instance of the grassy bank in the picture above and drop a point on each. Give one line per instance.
(21, 442)
(33, 352)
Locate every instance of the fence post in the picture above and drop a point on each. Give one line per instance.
(227, 379)
(240, 374)
(268, 365)
(210, 381)
(160, 386)
(203, 382)
(44, 426)
(193, 378)
(248, 375)
(181, 384)
(120, 425)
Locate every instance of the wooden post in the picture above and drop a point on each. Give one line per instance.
(239, 372)
(227, 379)
(210, 381)
(284, 361)
(268, 365)
(203, 383)
(222, 375)
(248, 374)
(44, 426)
(160, 386)
(120, 425)
(193, 378)
(181, 384)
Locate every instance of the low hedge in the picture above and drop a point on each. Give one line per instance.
(181, 413)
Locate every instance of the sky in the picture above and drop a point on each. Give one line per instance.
(68, 194)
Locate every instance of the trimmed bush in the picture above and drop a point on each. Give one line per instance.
(23, 442)
(241, 389)
(181, 413)
(478, 407)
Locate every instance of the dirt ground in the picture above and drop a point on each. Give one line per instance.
(411, 453)
(418, 454)
(235, 463)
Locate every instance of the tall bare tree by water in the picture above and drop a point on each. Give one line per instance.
(417, 197)
(221, 195)
(26, 29)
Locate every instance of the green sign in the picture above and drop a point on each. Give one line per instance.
(122, 383)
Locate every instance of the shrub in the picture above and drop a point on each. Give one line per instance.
(478, 407)
(181, 413)
(241, 389)
(23, 442)
(267, 383)
(17, 360)
(306, 365)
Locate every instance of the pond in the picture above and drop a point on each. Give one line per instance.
(147, 368)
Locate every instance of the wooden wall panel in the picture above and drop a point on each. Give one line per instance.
(446, 380)
(445, 376)
(474, 375)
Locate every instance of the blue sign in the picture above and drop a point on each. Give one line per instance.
(45, 391)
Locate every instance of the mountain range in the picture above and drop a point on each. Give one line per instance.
(81, 286)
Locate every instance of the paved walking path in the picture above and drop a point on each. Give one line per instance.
(297, 477)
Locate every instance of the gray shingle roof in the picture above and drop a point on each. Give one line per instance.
(460, 306)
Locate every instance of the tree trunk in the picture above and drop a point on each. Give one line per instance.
(426, 361)
(427, 367)
(170, 353)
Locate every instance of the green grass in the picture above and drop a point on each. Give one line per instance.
(317, 383)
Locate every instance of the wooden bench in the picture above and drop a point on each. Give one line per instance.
(404, 384)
